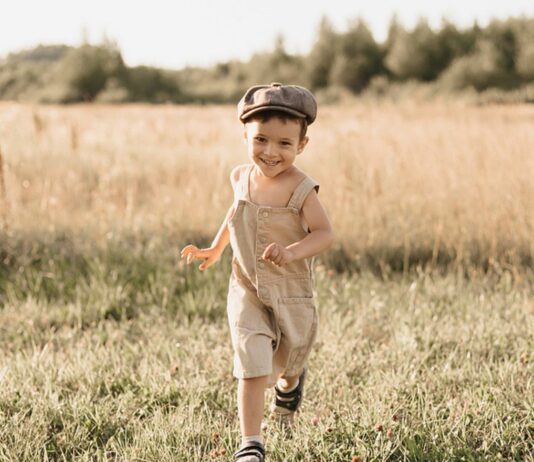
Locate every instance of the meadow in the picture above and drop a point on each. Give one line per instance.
(111, 349)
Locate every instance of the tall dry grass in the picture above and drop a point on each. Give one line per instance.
(435, 180)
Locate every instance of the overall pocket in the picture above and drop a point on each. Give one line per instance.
(296, 318)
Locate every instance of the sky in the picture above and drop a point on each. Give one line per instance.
(176, 33)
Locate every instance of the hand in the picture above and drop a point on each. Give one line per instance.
(278, 254)
(191, 252)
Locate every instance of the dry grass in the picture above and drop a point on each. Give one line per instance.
(434, 181)
(120, 353)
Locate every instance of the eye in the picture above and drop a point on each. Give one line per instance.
(260, 139)
(286, 143)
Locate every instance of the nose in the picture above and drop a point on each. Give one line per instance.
(268, 149)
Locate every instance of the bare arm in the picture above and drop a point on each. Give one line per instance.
(212, 254)
(321, 236)
(222, 238)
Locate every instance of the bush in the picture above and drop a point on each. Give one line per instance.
(480, 70)
(113, 92)
(84, 71)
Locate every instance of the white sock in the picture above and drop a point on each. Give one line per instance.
(248, 439)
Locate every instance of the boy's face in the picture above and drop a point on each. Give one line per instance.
(273, 145)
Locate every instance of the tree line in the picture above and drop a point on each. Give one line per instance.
(500, 55)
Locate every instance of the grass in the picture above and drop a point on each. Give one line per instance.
(122, 353)
(113, 350)
(431, 184)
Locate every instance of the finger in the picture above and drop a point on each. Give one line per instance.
(273, 262)
(277, 256)
(268, 250)
(187, 250)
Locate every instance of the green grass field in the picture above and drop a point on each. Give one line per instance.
(118, 352)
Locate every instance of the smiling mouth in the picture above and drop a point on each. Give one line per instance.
(269, 163)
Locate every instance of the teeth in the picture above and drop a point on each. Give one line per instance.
(269, 162)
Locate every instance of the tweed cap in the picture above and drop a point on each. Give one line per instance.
(292, 99)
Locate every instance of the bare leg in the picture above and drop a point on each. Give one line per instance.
(287, 382)
(250, 404)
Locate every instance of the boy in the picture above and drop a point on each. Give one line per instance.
(275, 226)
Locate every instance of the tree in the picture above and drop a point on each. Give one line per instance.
(280, 57)
(524, 31)
(452, 43)
(481, 69)
(275, 66)
(394, 28)
(416, 54)
(358, 58)
(84, 71)
(501, 35)
(492, 63)
(151, 84)
(320, 60)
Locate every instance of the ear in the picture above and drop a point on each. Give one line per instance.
(245, 138)
(302, 145)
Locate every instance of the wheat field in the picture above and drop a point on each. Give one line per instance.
(428, 183)
(111, 349)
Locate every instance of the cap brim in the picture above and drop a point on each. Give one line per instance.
(270, 108)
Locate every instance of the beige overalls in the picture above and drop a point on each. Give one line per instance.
(271, 310)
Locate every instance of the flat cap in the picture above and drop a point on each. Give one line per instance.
(292, 99)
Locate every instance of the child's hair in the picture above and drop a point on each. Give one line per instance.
(268, 114)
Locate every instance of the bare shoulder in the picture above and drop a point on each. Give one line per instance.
(297, 176)
(236, 172)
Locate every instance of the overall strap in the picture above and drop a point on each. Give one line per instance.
(301, 191)
(242, 186)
